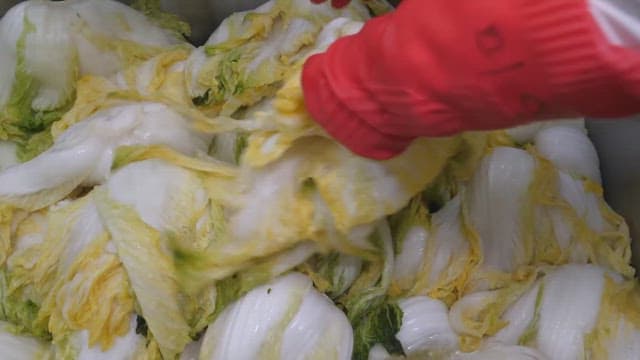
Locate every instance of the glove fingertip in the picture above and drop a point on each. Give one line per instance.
(340, 122)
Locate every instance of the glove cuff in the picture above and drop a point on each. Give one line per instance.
(587, 75)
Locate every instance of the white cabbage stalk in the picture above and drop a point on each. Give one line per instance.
(497, 195)
(425, 327)
(240, 27)
(461, 314)
(11, 26)
(20, 347)
(274, 185)
(111, 21)
(303, 184)
(267, 41)
(581, 231)
(570, 150)
(236, 24)
(285, 319)
(519, 317)
(124, 348)
(71, 272)
(333, 31)
(49, 54)
(37, 42)
(202, 269)
(448, 254)
(8, 155)
(165, 196)
(587, 208)
(62, 40)
(69, 228)
(624, 341)
(412, 237)
(502, 352)
(409, 261)
(29, 230)
(81, 225)
(378, 352)
(516, 222)
(151, 271)
(526, 133)
(85, 226)
(228, 147)
(449, 238)
(83, 154)
(289, 259)
(569, 310)
(586, 204)
(192, 350)
(344, 272)
(162, 77)
(561, 312)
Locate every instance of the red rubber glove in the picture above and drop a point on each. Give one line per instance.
(439, 67)
(335, 3)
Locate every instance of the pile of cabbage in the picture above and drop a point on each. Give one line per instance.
(162, 201)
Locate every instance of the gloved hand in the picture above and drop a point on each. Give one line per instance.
(335, 3)
(439, 67)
